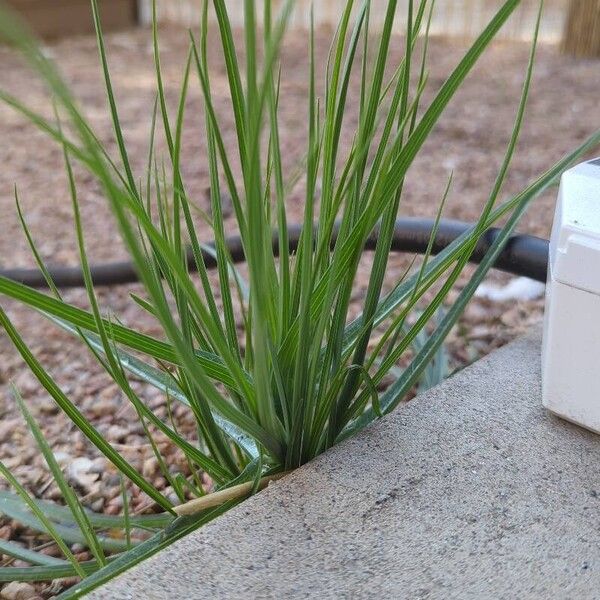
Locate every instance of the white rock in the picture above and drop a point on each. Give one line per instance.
(62, 458)
(7, 428)
(520, 288)
(83, 472)
(150, 466)
(18, 591)
(116, 433)
(80, 465)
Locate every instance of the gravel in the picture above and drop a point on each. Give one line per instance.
(469, 141)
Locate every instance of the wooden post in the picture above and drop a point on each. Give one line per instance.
(56, 18)
(582, 30)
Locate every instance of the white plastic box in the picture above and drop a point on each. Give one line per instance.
(571, 348)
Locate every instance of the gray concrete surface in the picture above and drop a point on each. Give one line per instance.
(469, 491)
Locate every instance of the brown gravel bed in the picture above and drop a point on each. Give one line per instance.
(469, 140)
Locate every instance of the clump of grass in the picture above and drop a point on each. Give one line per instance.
(303, 376)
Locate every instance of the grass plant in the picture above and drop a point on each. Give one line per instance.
(303, 375)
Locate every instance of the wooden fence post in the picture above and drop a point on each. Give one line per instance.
(582, 31)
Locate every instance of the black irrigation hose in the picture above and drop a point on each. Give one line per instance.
(524, 255)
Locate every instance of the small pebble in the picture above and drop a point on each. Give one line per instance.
(150, 467)
(18, 591)
(7, 429)
(97, 505)
(116, 433)
(159, 483)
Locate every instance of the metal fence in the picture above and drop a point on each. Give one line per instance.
(457, 18)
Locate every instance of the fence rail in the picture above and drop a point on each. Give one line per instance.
(457, 18)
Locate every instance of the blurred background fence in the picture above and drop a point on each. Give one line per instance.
(455, 18)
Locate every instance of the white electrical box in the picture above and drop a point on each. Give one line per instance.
(571, 348)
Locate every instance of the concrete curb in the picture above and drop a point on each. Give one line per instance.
(470, 491)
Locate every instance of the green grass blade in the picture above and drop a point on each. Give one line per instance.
(62, 514)
(111, 98)
(440, 264)
(46, 572)
(78, 517)
(166, 384)
(181, 527)
(126, 521)
(77, 317)
(35, 519)
(31, 556)
(75, 415)
(400, 387)
(44, 524)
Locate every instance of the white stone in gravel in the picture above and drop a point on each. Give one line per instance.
(7, 428)
(26, 382)
(18, 591)
(116, 433)
(98, 505)
(150, 466)
(102, 407)
(117, 501)
(520, 288)
(62, 457)
(83, 472)
(100, 465)
(78, 465)
(46, 405)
